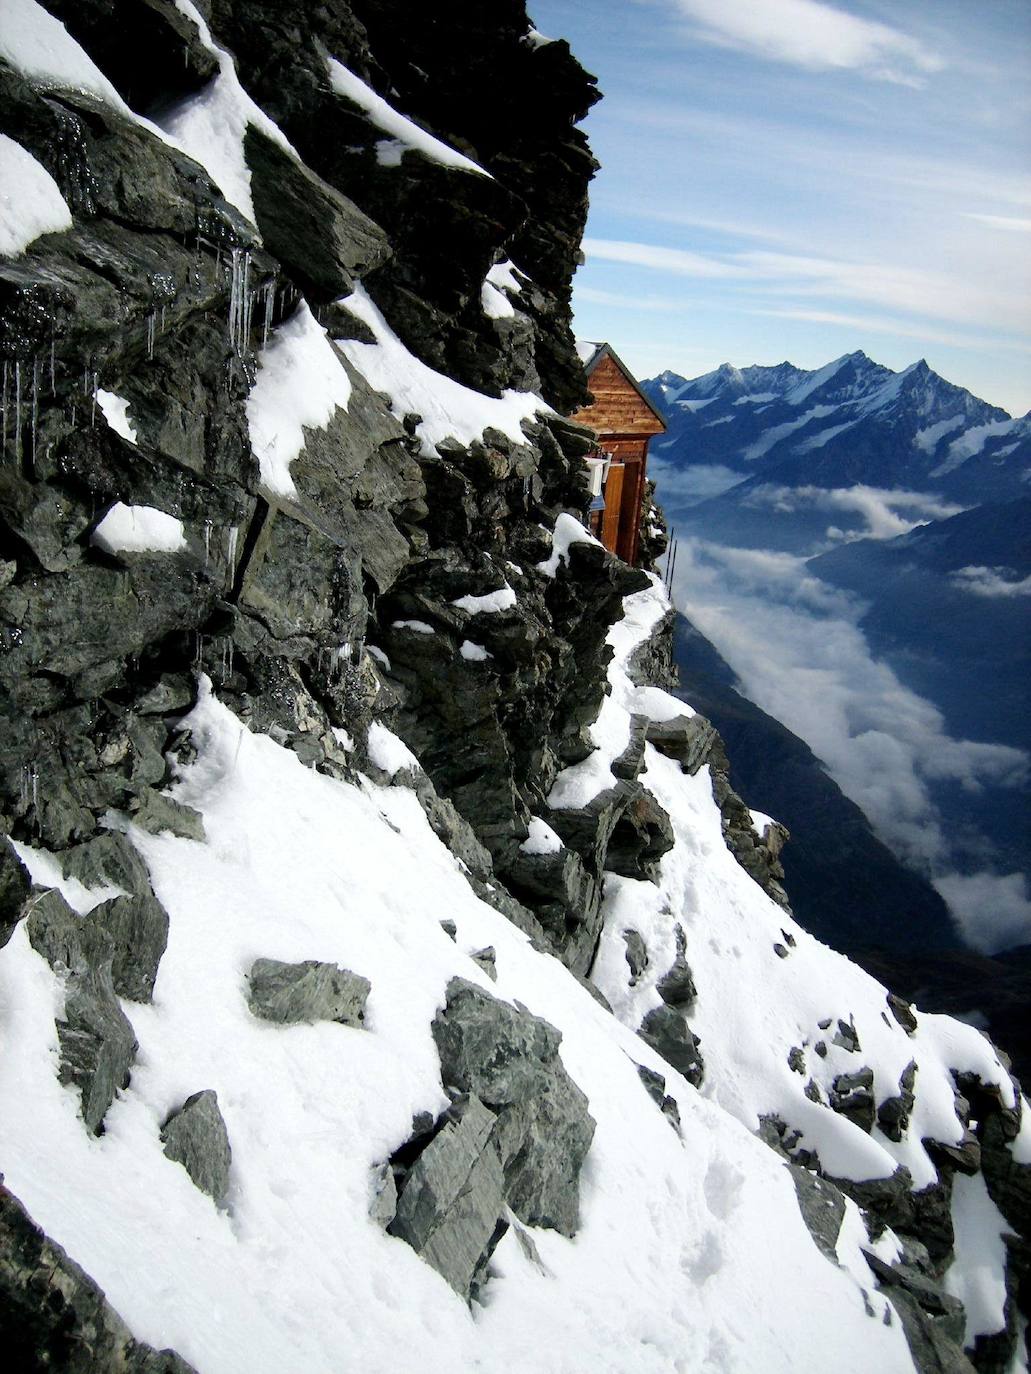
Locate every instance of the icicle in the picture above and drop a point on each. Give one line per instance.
(93, 410)
(17, 410)
(232, 648)
(53, 375)
(198, 661)
(73, 415)
(234, 535)
(162, 319)
(152, 320)
(35, 407)
(207, 541)
(270, 300)
(3, 410)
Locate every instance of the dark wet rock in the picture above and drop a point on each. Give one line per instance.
(846, 1037)
(137, 926)
(822, 1206)
(894, 1112)
(487, 960)
(655, 1086)
(676, 987)
(781, 951)
(53, 1315)
(636, 954)
(195, 1136)
(640, 837)
(15, 886)
(933, 1321)
(964, 1156)
(852, 1096)
(628, 764)
(453, 1195)
(322, 238)
(450, 929)
(98, 1046)
(306, 992)
(510, 1060)
(796, 1059)
(687, 739)
(665, 1029)
(157, 814)
(903, 1013)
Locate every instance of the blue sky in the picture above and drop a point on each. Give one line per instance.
(791, 179)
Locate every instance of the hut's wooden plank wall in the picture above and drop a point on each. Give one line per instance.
(624, 422)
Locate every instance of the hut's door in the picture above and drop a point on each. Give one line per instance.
(613, 506)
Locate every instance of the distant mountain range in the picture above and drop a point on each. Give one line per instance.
(910, 496)
(738, 436)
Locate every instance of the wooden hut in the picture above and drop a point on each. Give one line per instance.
(624, 420)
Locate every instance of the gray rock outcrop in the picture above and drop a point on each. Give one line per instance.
(195, 1136)
(309, 991)
(512, 1142)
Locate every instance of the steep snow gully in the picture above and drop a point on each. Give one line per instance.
(389, 974)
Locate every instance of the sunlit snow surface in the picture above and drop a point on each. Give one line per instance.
(139, 529)
(211, 125)
(115, 410)
(300, 383)
(31, 202)
(404, 134)
(691, 1254)
(449, 410)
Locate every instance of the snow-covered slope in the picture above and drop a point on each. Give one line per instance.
(691, 1251)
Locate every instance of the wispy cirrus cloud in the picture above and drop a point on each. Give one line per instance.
(619, 301)
(809, 34)
(1009, 223)
(678, 261)
(932, 294)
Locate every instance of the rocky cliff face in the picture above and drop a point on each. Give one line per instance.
(284, 314)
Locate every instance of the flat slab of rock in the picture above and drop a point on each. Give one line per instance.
(195, 1136)
(453, 1197)
(509, 1059)
(307, 992)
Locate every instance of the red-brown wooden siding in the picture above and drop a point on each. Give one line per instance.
(624, 422)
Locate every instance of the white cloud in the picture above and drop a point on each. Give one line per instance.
(686, 486)
(900, 329)
(1007, 222)
(992, 909)
(619, 301)
(936, 295)
(806, 33)
(991, 581)
(676, 260)
(796, 648)
(880, 508)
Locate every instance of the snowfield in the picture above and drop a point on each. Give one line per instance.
(692, 1253)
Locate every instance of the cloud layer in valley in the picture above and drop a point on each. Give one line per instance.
(795, 646)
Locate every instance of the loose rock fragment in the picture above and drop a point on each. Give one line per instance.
(307, 992)
(195, 1136)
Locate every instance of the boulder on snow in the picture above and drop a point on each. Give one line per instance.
(96, 1039)
(306, 992)
(451, 1200)
(509, 1060)
(195, 1136)
(665, 1029)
